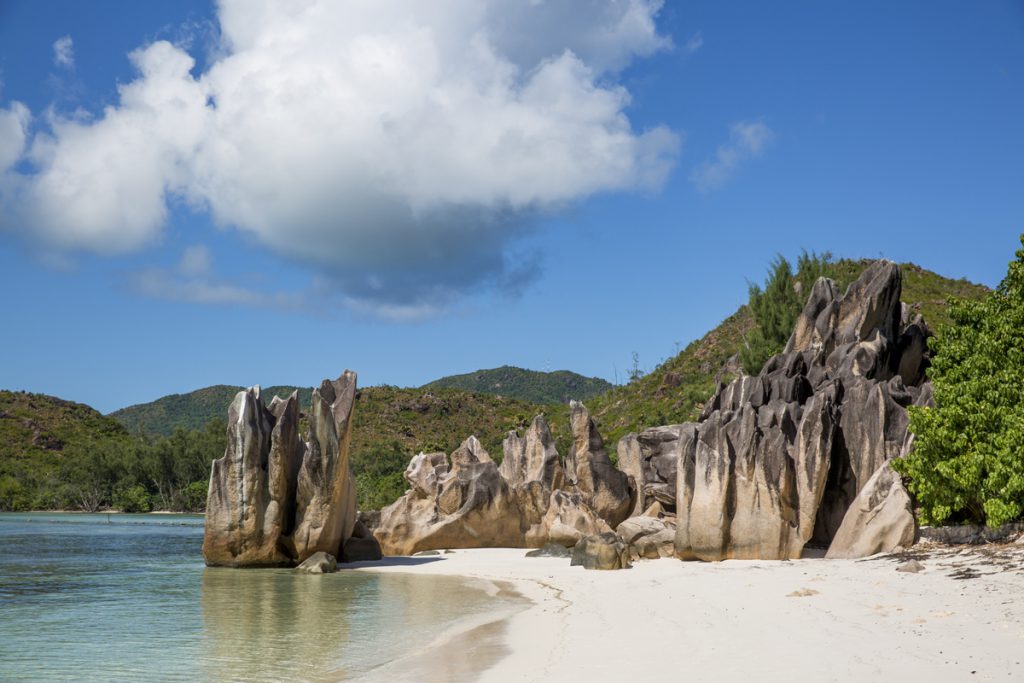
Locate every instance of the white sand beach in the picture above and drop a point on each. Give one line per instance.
(809, 620)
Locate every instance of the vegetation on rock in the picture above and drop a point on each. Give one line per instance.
(967, 464)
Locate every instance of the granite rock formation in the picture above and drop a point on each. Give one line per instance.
(531, 499)
(275, 500)
(781, 460)
(603, 551)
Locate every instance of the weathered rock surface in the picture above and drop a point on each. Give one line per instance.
(274, 500)
(780, 460)
(362, 546)
(606, 489)
(604, 551)
(529, 501)
(250, 509)
(318, 563)
(880, 519)
(648, 537)
(326, 494)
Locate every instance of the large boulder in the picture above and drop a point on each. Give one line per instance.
(326, 494)
(468, 506)
(880, 520)
(274, 500)
(528, 501)
(652, 458)
(605, 488)
(779, 460)
(604, 551)
(648, 537)
(250, 509)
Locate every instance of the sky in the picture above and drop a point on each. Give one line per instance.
(270, 192)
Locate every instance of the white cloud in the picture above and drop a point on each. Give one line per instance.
(694, 43)
(193, 281)
(64, 52)
(397, 148)
(13, 134)
(747, 140)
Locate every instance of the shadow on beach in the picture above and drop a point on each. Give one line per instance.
(396, 561)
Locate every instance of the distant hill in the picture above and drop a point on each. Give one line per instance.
(37, 433)
(559, 386)
(192, 410)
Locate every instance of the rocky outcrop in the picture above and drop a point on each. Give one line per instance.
(880, 520)
(250, 509)
(273, 499)
(589, 469)
(530, 500)
(648, 537)
(780, 460)
(604, 551)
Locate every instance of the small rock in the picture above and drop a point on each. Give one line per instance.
(318, 563)
(910, 567)
(550, 550)
(604, 551)
(802, 593)
(426, 553)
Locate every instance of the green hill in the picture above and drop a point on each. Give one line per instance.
(677, 389)
(559, 386)
(192, 410)
(39, 436)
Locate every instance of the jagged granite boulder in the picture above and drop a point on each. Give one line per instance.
(274, 500)
(606, 489)
(326, 494)
(880, 519)
(529, 501)
(250, 509)
(778, 460)
(467, 506)
(648, 537)
(604, 551)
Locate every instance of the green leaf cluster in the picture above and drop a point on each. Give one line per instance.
(967, 464)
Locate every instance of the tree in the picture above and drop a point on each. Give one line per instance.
(776, 307)
(967, 464)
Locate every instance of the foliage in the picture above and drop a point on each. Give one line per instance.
(544, 388)
(968, 458)
(777, 306)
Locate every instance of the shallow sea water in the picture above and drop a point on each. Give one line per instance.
(127, 598)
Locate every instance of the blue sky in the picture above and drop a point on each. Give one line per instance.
(418, 192)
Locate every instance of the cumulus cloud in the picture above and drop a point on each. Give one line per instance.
(747, 140)
(64, 52)
(399, 149)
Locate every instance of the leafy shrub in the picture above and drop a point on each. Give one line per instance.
(968, 459)
(132, 499)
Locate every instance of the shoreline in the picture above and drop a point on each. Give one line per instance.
(962, 617)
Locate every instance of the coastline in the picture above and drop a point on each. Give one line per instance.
(960, 618)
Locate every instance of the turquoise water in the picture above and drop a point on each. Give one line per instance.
(127, 598)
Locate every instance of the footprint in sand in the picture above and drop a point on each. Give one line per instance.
(802, 593)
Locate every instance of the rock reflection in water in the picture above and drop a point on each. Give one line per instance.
(265, 624)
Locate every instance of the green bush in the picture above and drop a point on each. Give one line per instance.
(132, 499)
(968, 459)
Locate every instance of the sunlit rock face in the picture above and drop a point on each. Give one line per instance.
(531, 499)
(273, 499)
(781, 459)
